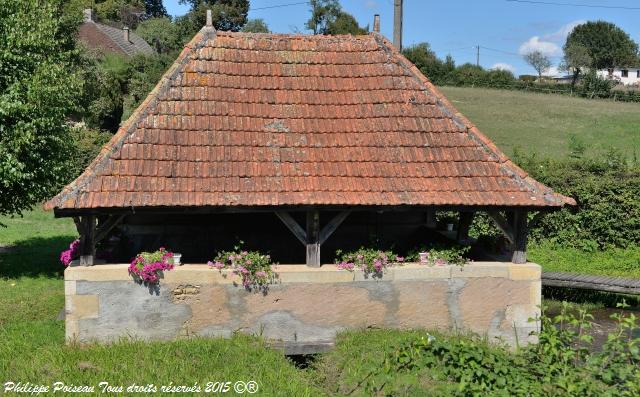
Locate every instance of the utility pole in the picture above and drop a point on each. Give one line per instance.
(478, 55)
(397, 24)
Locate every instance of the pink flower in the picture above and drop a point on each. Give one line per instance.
(345, 266)
(67, 256)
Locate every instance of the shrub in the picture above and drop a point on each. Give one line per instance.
(563, 363)
(253, 267)
(371, 261)
(440, 254)
(595, 87)
(606, 190)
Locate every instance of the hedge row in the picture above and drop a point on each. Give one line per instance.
(607, 192)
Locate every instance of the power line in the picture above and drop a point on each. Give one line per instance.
(280, 5)
(512, 53)
(550, 3)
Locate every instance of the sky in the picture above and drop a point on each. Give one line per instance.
(503, 29)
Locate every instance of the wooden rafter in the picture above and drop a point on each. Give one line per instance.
(502, 224)
(105, 227)
(293, 226)
(313, 237)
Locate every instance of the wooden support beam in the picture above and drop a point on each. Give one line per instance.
(333, 224)
(521, 230)
(502, 224)
(464, 223)
(87, 247)
(313, 238)
(105, 227)
(293, 226)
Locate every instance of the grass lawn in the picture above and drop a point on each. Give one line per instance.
(616, 262)
(543, 122)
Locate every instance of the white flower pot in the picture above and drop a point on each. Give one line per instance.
(176, 259)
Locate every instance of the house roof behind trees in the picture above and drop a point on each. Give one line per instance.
(244, 119)
(111, 39)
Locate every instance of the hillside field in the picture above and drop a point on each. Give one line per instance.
(542, 123)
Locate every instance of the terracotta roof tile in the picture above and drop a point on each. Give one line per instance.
(262, 119)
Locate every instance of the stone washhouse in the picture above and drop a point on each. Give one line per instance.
(299, 145)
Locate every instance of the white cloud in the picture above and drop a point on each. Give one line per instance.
(548, 48)
(561, 34)
(549, 44)
(503, 66)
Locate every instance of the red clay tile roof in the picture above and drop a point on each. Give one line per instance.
(266, 120)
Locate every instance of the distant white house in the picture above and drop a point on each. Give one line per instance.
(626, 76)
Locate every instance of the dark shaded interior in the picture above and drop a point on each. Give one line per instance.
(199, 237)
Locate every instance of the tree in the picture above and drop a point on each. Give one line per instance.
(38, 90)
(606, 45)
(539, 62)
(155, 9)
(104, 80)
(323, 13)
(256, 26)
(226, 15)
(345, 23)
(230, 15)
(576, 59)
(426, 60)
(161, 34)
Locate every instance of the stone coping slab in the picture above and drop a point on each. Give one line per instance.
(329, 273)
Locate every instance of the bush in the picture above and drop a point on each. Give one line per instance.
(563, 363)
(594, 86)
(606, 190)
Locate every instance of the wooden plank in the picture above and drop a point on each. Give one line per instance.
(520, 237)
(291, 223)
(502, 224)
(300, 348)
(591, 282)
(107, 226)
(333, 224)
(313, 238)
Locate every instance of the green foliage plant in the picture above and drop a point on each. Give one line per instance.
(254, 268)
(562, 363)
(440, 254)
(38, 91)
(371, 261)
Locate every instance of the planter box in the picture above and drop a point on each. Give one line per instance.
(307, 308)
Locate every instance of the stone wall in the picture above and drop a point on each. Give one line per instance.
(306, 309)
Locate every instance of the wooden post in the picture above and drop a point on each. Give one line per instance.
(87, 240)
(313, 238)
(520, 237)
(464, 223)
